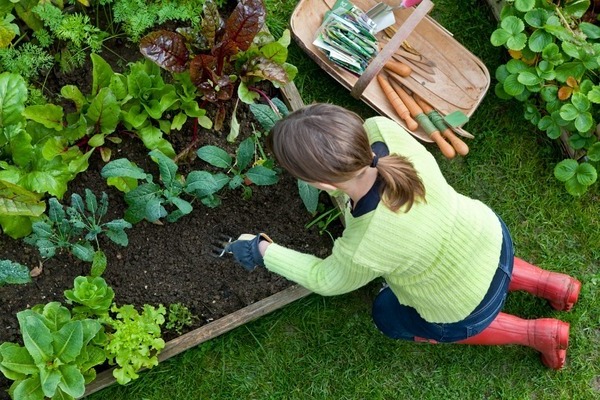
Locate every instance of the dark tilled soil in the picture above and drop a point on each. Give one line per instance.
(171, 262)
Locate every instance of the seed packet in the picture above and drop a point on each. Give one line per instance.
(346, 36)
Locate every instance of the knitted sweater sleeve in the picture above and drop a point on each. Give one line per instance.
(336, 274)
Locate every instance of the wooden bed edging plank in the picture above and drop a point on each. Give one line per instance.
(212, 330)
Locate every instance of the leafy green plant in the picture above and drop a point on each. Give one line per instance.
(137, 16)
(555, 49)
(151, 102)
(93, 296)
(58, 357)
(149, 199)
(224, 58)
(324, 219)
(76, 227)
(178, 317)
(32, 155)
(267, 115)
(75, 32)
(134, 340)
(246, 168)
(13, 273)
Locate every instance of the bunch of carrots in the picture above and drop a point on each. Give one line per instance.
(413, 108)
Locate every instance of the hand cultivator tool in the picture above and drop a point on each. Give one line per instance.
(220, 245)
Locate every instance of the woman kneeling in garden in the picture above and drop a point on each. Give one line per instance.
(447, 259)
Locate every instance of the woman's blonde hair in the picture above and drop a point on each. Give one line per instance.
(328, 144)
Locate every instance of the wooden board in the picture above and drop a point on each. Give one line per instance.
(461, 79)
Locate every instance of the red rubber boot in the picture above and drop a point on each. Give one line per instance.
(561, 291)
(547, 335)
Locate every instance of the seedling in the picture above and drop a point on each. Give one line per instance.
(76, 227)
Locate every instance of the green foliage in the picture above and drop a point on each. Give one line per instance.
(267, 115)
(12, 273)
(76, 227)
(227, 57)
(28, 60)
(553, 71)
(32, 156)
(58, 357)
(324, 219)
(135, 340)
(137, 16)
(150, 101)
(178, 317)
(93, 296)
(76, 30)
(149, 200)
(243, 170)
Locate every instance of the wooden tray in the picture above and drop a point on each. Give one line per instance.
(461, 79)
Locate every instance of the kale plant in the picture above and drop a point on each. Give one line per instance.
(75, 228)
(13, 273)
(246, 168)
(149, 200)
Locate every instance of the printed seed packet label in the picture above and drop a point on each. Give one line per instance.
(346, 36)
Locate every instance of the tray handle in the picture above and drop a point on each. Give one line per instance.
(388, 50)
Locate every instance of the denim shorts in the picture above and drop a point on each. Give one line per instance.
(403, 322)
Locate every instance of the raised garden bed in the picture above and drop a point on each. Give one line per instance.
(170, 263)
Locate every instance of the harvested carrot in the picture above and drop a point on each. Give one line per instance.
(396, 102)
(398, 67)
(460, 146)
(417, 112)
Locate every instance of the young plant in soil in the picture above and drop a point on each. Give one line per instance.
(148, 200)
(75, 228)
(246, 168)
(13, 273)
(224, 57)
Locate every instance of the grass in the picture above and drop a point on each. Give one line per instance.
(328, 348)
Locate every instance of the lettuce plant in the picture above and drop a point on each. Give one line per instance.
(58, 356)
(35, 159)
(93, 296)
(134, 340)
(224, 58)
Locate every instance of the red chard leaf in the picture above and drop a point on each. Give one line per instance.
(246, 20)
(167, 49)
(212, 23)
(270, 70)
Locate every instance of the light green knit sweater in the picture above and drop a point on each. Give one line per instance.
(439, 257)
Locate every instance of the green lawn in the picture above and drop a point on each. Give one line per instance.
(328, 348)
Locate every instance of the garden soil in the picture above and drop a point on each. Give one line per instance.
(167, 263)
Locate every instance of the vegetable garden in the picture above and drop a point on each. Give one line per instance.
(133, 134)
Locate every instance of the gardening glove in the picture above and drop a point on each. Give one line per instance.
(246, 252)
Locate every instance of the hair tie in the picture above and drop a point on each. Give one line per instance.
(375, 161)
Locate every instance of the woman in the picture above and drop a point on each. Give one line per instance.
(447, 259)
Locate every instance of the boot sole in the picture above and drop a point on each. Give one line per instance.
(571, 298)
(557, 357)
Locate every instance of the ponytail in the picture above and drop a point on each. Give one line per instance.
(401, 183)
